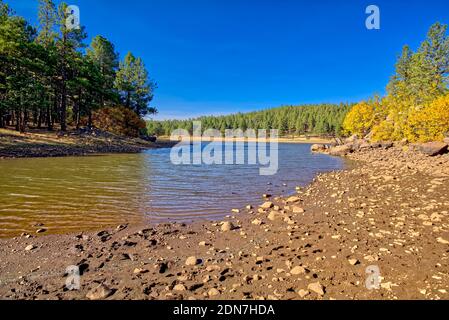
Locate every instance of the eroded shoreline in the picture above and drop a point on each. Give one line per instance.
(391, 210)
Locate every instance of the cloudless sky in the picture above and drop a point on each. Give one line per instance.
(226, 56)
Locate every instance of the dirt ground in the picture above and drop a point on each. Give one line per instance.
(383, 223)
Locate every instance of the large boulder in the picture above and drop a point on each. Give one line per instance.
(318, 148)
(341, 150)
(351, 139)
(433, 148)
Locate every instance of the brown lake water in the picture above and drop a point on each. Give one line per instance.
(86, 193)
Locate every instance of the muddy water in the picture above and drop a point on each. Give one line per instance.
(84, 193)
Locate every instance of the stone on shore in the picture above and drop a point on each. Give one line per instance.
(298, 270)
(317, 288)
(296, 209)
(99, 293)
(318, 148)
(179, 287)
(433, 148)
(30, 247)
(213, 292)
(192, 261)
(227, 226)
(341, 150)
(274, 215)
(267, 205)
(303, 293)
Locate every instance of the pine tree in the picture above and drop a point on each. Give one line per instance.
(102, 53)
(134, 86)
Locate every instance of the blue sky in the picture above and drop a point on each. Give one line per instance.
(226, 56)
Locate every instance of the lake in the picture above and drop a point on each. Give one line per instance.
(86, 193)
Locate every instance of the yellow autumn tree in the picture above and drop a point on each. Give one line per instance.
(429, 123)
(360, 119)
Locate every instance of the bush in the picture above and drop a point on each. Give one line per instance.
(384, 131)
(429, 123)
(360, 119)
(119, 120)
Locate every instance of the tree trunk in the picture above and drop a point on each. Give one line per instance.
(128, 100)
(63, 113)
(89, 122)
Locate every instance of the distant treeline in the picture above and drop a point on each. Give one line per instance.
(322, 119)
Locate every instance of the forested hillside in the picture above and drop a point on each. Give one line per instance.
(49, 77)
(324, 119)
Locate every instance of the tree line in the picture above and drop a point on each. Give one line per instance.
(49, 77)
(320, 119)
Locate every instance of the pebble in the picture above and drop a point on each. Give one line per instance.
(303, 293)
(267, 205)
(298, 270)
(193, 261)
(140, 271)
(213, 292)
(179, 287)
(30, 247)
(353, 262)
(99, 293)
(317, 288)
(227, 226)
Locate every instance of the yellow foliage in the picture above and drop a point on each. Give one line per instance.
(383, 131)
(429, 123)
(360, 119)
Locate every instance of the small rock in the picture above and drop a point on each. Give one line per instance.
(140, 271)
(227, 226)
(213, 292)
(193, 261)
(293, 199)
(267, 205)
(298, 270)
(179, 287)
(99, 293)
(317, 288)
(30, 247)
(353, 262)
(41, 230)
(297, 209)
(443, 241)
(303, 293)
(274, 215)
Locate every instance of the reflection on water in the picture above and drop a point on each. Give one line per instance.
(73, 194)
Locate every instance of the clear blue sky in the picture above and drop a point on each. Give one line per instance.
(225, 56)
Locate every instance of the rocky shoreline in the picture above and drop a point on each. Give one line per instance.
(75, 143)
(390, 211)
